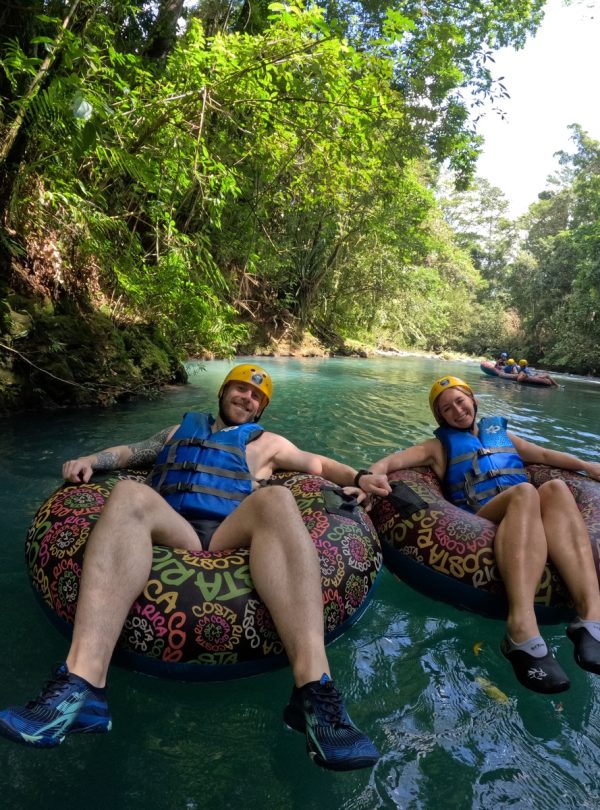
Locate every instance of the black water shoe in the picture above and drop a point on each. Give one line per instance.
(585, 636)
(535, 666)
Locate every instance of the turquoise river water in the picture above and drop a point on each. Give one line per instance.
(407, 668)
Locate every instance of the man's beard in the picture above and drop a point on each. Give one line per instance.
(227, 420)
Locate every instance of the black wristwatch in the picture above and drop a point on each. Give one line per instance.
(359, 475)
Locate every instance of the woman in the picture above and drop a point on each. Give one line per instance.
(525, 372)
(481, 465)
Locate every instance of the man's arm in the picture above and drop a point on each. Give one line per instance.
(140, 454)
(534, 454)
(345, 476)
(286, 456)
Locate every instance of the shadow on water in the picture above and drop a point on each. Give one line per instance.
(408, 668)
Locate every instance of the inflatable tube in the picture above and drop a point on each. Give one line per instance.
(448, 554)
(488, 368)
(199, 617)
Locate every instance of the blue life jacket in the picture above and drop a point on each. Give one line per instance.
(203, 474)
(479, 467)
(510, 369)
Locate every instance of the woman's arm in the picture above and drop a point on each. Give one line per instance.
(534, 454)
(427, 454)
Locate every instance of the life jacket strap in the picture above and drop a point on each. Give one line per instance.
(196, 442)
(183, 486)
(489, 475)
(474, 497)
(190, 466)
(484, 451)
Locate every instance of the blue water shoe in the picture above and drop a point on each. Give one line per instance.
(332, 739)
(67, 704)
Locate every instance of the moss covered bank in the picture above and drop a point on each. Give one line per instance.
(54, 355)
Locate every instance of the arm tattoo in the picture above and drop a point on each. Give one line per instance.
(145, 452)
(105, 461)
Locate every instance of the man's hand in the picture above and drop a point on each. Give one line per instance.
(78, 471)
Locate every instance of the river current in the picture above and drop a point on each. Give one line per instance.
(408, 669)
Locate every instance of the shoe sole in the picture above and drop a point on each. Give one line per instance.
(17, 737)
(345, 765)
(91, 729)
(295, 722)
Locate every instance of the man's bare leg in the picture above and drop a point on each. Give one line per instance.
(117, 564)
(285, 570)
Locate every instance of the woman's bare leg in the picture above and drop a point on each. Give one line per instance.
(521, 551)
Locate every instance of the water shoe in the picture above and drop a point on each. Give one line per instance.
(67, 704)
(332, 739)
(535, 666)
(585, 636)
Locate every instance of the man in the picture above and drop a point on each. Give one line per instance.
(208, 473)
(501, 361)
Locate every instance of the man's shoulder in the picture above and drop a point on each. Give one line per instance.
(268, 437)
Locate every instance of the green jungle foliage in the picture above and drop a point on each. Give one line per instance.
(227, 173)
(555, 281)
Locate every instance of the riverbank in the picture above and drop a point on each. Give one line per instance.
(310, 346)
(53, 357)
(51, 360)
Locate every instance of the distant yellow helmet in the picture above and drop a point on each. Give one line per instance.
(440, 386)
(510, 361)
(523, 363)
(255, 376)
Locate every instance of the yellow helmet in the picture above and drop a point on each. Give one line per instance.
(510, 361)
(255, 376)
(440, 386)
(523, 363)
